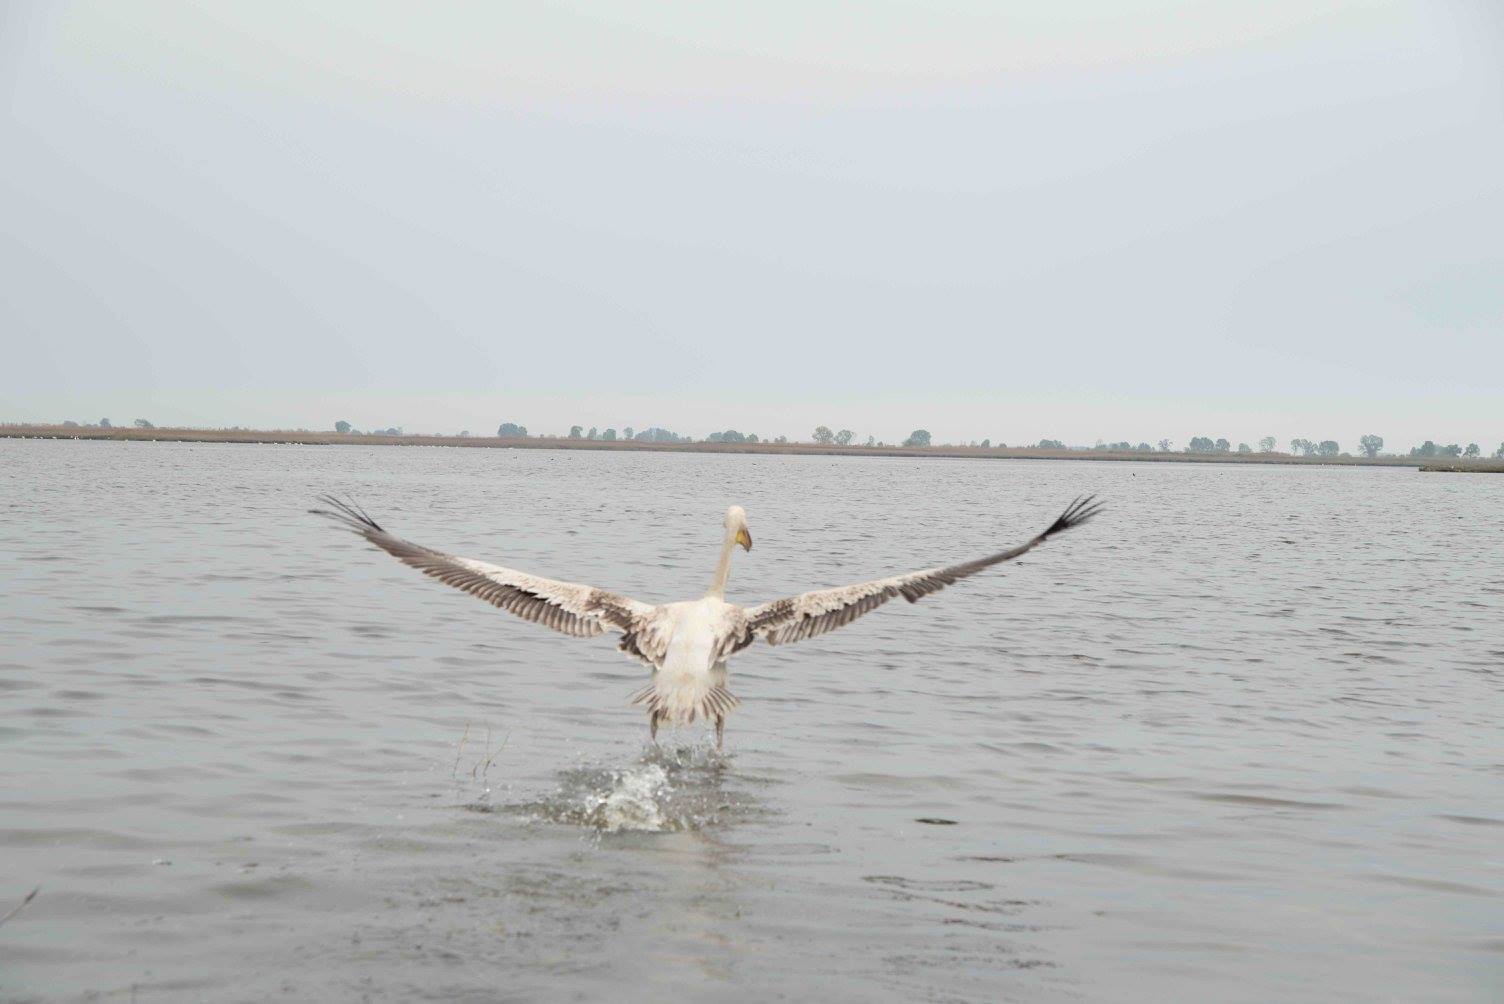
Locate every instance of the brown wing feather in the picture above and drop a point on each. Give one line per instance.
(808, 614)
(581, 611)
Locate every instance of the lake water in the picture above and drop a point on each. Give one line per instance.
(1237, 740)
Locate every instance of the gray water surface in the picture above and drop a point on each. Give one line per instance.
(1239, 739)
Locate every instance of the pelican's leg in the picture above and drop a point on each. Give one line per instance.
(720, 731)
(653, 726)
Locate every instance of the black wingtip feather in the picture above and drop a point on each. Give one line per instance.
(347, 512)
(1081, 510)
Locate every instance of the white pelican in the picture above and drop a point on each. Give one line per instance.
(687, 644)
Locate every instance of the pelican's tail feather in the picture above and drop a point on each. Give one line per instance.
(682, 704)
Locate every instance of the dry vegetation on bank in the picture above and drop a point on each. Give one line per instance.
(273, 436)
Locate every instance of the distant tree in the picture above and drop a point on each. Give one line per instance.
(142, 423)
(1304, 447)
(1223, 446)
(104, 423)
(1049, 444)
(1244, 448)
(1200, 444)
(1328, 448)
(464, 434)
(752, 438)
(511, 430)
(823, 435)
(986, 444)
(871, 441)
(1371, 445)
(843, 438)
(657, 435)
(1450, 450)
(729, 436)
(919, 437)
(1145, 448)
(576, 431)
(609, 436)
(781, 439)
(69, 424)
(626, 433)
(342, 427)
(1426, 449)
(1499, 453)
(594, 433)
(1266, 445)
(1471, 451)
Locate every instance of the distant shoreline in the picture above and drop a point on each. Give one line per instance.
(303, 438)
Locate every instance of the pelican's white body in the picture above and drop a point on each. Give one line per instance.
(690, 668)
(689, 643)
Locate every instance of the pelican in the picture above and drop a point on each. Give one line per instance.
(687, 644)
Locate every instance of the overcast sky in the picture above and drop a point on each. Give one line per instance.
(1115, 219)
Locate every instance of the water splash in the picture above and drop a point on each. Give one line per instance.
(635, 802)
(666, 790)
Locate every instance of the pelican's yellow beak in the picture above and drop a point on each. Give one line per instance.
(744, 539)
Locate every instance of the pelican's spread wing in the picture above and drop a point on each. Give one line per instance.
(582, 611)
(808, 614)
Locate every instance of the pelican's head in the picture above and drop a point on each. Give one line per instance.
(736, 524)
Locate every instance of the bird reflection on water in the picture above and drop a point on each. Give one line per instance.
(675, 805)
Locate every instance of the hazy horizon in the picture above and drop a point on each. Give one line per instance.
(617, 433)
(1146, 221)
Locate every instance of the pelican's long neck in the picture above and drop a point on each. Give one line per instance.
(723, 568)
